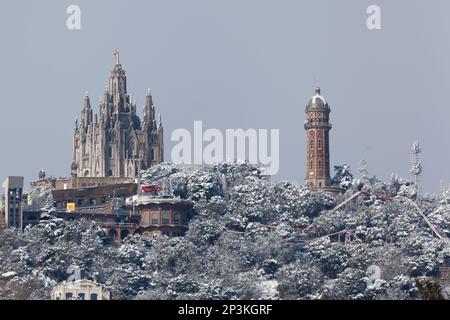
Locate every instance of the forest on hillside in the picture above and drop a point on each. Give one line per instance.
(245, 242)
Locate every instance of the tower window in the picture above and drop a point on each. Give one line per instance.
(311, 165)
(320, 164)
(311, 143)
(319, 143)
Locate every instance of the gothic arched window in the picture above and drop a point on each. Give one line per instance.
(132, 151)
(319, 143)
(320, 164)
(311, 165)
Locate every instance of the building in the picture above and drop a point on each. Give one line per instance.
(75, 182)
(80, 290)
(317, 126)
(93, 196)
(13, 202)
(160, 215)
(115, 143)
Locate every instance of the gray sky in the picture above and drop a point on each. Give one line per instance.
(233, 64)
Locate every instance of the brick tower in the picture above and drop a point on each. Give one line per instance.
(317, 128)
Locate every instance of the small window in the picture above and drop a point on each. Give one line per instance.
(155, 219)
(311, 165)
(176, 219)
(69, 296)
(81, 296)
(166, 218)
(93, 202)
(94, 296)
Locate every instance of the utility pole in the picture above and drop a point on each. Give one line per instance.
(416, 166)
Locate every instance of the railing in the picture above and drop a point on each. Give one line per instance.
(119, 225)
(91, 208)
(309, 125)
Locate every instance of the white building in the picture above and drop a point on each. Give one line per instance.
(80, 290)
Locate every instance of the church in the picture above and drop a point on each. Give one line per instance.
(115, 142)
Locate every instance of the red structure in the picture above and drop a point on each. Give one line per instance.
(150, 188)
(317, 128)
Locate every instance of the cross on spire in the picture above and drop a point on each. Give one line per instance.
(116, 57)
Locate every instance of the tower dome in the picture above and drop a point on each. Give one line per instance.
(317, 101)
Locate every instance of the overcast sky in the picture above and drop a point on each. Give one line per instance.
(234, 64)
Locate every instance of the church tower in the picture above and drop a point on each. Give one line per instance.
(317, 126)
(115, 143)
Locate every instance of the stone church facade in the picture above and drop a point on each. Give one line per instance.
(115, 142)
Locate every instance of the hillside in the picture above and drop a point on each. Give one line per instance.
(245, 241)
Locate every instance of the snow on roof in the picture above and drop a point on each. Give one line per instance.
(138, 200)
(317, 96)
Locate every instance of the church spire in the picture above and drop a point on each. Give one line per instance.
(101, 142)
(86, 113)
(117, 81)
(87, 102)
(159, 121)
(116, 57)
(149, 109)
